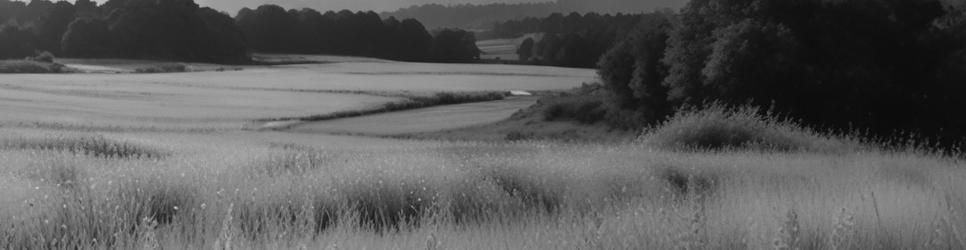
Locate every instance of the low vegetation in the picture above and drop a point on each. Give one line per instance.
(717, 127)
(97, 146)
(165, 68)
(746, 193)
(30, 67)
(589, 104)
(412, 102)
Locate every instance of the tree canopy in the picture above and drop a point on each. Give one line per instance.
(151, 29)
(273, 29)
(881, 65)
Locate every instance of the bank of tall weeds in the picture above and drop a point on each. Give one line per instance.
(711, 179)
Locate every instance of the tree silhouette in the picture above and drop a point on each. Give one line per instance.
(455, 46)
(526, 50)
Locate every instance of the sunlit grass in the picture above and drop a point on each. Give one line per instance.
(243, 191)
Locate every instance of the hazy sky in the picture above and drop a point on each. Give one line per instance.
(232, 6)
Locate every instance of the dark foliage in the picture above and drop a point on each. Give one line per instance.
(171, 29)
(573, 23)
(633, 72)
(589, 104)
(455, 46)
(16, 42)
(882, 66)
(583, 110)
(525, 51)
(164, 29)
(271, 28)
(35, 65)
(87, 37)
(468, 16)
(574, 40)
(52, 25)
(482, 16)
(181, 30)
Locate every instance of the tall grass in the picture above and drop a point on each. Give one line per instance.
(719, 127)
(237, 191)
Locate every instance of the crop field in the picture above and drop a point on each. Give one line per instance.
(160, 161)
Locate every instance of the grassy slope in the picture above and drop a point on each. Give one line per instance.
(258, 190)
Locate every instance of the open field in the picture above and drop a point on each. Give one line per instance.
(228, 100)
(160, 161)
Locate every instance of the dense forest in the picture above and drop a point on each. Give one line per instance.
(879, 66)
(270, 28)
(181, 30)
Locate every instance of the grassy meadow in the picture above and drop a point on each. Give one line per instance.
(710, 179)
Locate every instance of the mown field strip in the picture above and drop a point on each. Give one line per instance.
(421, 120)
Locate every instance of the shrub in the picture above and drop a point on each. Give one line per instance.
(717, 127)
(44, 56)
(554, 111)
(163, 68)
(30, 67)
(584, 109)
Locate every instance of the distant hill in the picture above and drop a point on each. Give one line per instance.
(477, 17)
(469, 16)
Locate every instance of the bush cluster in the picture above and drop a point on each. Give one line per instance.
(719, 127)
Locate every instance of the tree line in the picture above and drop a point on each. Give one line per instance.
(182, 30)
(574, 40)
(880, 66)
(163, 29)
(483, 16)
(470, 16)
(270, 28)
